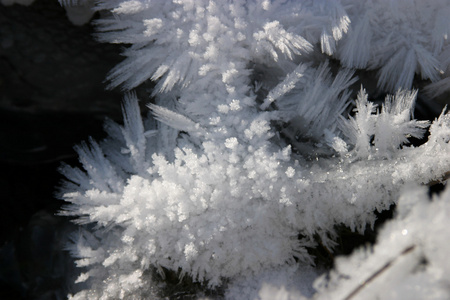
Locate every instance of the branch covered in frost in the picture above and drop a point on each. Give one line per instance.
(197, 214)
(230, 179)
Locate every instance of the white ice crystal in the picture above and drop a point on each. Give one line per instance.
(389, 129)
(249, 156)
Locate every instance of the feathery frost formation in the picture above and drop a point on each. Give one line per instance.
(399, 38)
(250, 155)
(407, 262)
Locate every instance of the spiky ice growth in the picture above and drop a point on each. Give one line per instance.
(399, 39)
(253, 158)
(234, 208)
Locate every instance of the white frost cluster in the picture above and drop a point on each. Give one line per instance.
(250, 155)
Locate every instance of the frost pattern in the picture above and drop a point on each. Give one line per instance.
(400, 38)
(409, 259)
(389, 128)
(253, 157)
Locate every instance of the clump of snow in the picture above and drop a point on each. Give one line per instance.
(409, 260)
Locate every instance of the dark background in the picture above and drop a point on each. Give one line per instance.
(52, 96)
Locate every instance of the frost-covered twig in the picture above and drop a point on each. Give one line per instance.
(372, 277)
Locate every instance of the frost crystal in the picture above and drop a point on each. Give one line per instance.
(401, 38)
(254, 158)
